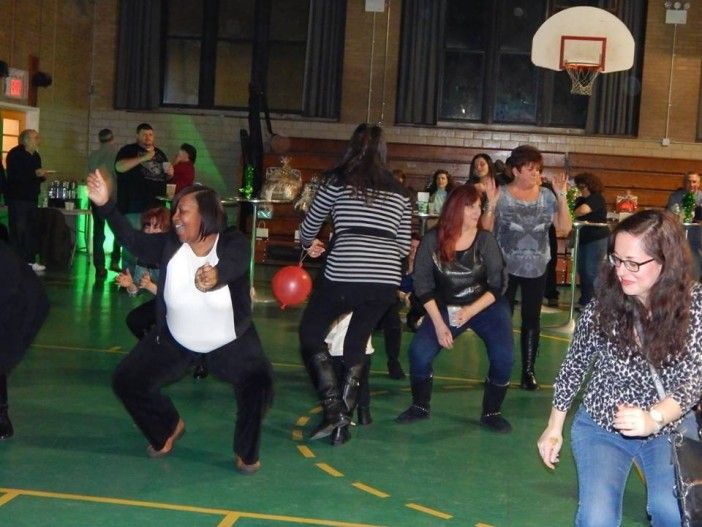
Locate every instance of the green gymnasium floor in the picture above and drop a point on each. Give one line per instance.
(77, 460)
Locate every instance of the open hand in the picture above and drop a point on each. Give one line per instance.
(98, 192)
(124, 279)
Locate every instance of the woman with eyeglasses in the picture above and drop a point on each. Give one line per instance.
(591, 207)
(645, 323)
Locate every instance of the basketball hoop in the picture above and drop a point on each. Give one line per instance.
(582, 76)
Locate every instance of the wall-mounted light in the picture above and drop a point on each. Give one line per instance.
(41, 79)
(676, 12)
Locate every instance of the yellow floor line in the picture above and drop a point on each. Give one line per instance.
(370, 490)
(302, 421)
(305, 451)
(229, 520)
(329, 470)
(379, 392)
(183, 508)
(8, 497)
(297, 435)
(113, 349)
(483, 525)
(427, 510)
(315, 410)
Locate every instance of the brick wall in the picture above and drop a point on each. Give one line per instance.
(77, 46)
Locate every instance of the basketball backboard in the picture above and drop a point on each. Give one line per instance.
(583, 35)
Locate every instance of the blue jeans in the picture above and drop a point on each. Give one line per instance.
(590, 258)
(493, 324)
(603, 460)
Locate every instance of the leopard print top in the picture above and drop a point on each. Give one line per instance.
(615, 381)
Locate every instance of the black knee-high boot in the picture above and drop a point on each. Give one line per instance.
(327, 388)
(530, 347)
(363, 407)
(421, 397)
(492, 403)
(349, 398)
(6, 429)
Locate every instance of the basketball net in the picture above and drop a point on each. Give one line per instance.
(582, 76)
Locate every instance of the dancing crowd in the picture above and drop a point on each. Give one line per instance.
(639, 331)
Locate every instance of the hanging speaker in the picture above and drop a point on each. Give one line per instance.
(41, 79)
(4, 69)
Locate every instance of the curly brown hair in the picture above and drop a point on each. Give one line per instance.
(590, 181)
(665, 320)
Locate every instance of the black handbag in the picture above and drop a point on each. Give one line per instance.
(687, 460)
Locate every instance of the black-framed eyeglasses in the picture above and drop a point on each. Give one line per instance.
(629, 265)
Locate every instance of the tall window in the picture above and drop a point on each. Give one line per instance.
(488, 76)
(208, 47)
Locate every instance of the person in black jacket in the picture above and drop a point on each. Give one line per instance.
(4, 233)
(24, 177)
(203, 308)
(459, 276)
(23, 308)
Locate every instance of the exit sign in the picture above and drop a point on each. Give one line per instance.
(16, 84)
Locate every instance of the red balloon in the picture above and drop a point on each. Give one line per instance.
(291, 285)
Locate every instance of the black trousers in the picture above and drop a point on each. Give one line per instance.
(142, 318)
(25, 310)
(551, 289)
(98, 242)
(22, 219)
(329, 301)
(157, 360)
(391, 324)
(532, 296)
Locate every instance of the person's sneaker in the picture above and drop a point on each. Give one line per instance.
(37, 267)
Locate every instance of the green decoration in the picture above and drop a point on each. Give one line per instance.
(247, 189)
(571, 194)
(688, 206)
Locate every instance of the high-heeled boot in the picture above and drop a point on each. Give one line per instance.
(6, 429)
(492, 403)
(421, 396)
(363, 405)
(530, 348)
(333, 415)
(349, 398)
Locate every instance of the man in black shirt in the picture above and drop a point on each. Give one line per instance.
(24, 177)
(142, 170)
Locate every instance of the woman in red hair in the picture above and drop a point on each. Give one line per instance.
(459, 277)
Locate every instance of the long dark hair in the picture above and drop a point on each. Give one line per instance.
(363, 165)
(664, 321)
(473, 177)
(451, 219)
(434, 186)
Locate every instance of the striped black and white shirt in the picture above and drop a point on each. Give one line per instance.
(370, 238)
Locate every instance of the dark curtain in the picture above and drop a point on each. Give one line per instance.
(614, 104)
(421, 47)
(138, 55)
(257, 87)
(321, 93)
